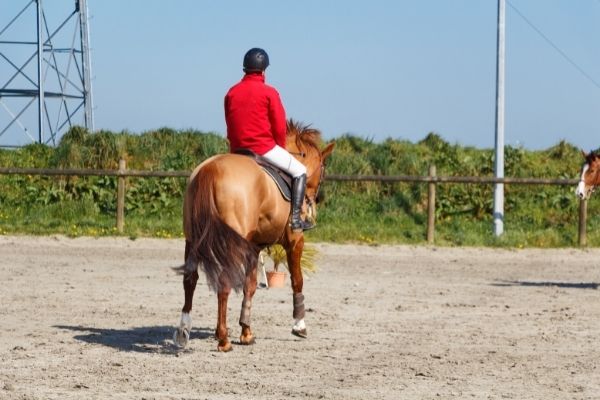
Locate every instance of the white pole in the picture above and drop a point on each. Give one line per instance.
(499, 143)
(40, 58)
(87, 65)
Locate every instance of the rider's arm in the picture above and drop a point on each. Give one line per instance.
(277, 119)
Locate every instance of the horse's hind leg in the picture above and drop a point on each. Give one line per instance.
(249, 289)
(221, 332)
(181, 336)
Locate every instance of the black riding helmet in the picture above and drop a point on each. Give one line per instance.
(256, 60)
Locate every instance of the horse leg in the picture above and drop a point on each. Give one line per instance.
(221, 332)
(249, 289)
(181, 336)
(294, 255)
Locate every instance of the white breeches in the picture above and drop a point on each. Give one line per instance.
(283, 159)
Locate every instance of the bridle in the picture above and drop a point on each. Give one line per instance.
(321, 176)
(311, 201)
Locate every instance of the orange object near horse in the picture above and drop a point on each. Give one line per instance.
(232, 210)
(590, 175)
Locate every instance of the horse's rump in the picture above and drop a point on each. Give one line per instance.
(221, 252)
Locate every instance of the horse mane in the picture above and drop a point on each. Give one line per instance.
(303, 133)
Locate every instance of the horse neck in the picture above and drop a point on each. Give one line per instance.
(596, 178)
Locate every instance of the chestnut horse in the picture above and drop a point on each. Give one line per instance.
(590, 175)
(232, 210)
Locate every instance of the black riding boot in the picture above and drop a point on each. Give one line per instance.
(298, 189)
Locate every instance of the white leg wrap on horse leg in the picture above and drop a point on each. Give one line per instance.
(181, 336)
(245, 313)
(299, 324)
(186, 321)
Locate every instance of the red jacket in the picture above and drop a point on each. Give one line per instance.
(254, 115)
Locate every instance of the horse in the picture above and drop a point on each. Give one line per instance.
(232, 210)
(590, 175)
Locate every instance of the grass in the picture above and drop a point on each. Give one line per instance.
(355, 212)
(83, 218)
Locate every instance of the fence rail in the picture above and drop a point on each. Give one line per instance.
(432, 180)
(450, 179)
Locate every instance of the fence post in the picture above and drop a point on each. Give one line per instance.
(431, 206)
(121, 196)
(583, 222)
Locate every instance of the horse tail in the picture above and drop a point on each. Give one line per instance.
(221, 252)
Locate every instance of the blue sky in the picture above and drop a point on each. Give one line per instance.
(376, 69)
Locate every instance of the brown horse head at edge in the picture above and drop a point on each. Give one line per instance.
(590, 175)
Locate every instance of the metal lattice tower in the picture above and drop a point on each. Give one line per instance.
(44, 59)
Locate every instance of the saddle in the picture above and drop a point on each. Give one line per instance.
(282, 179)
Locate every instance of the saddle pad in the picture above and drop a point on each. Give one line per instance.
(282, 184)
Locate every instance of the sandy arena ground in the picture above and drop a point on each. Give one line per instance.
(93, 319)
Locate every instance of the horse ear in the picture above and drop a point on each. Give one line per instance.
(327, 151)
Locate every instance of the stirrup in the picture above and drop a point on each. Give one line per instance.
(301, 226)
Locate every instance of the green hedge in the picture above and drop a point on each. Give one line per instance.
(367, 212)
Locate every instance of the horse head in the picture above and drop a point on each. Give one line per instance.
(304, 143)
(590, 175)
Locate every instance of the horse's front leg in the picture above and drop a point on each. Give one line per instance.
(181, 336)
(221, 332)
(249, 289)
(294, 256)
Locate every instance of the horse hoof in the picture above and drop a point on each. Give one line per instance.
(247, 341)
(301, 333)
(181, 337)
(225, 347)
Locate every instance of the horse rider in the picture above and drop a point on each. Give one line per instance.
(256, 121)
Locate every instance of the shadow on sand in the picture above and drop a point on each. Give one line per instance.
(565, 285)
(149, 339)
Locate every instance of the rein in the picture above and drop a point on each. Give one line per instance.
(303, 155)
(309, 201)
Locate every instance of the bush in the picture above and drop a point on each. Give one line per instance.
(368, 212)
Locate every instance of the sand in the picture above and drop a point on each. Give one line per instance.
(91, 318)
